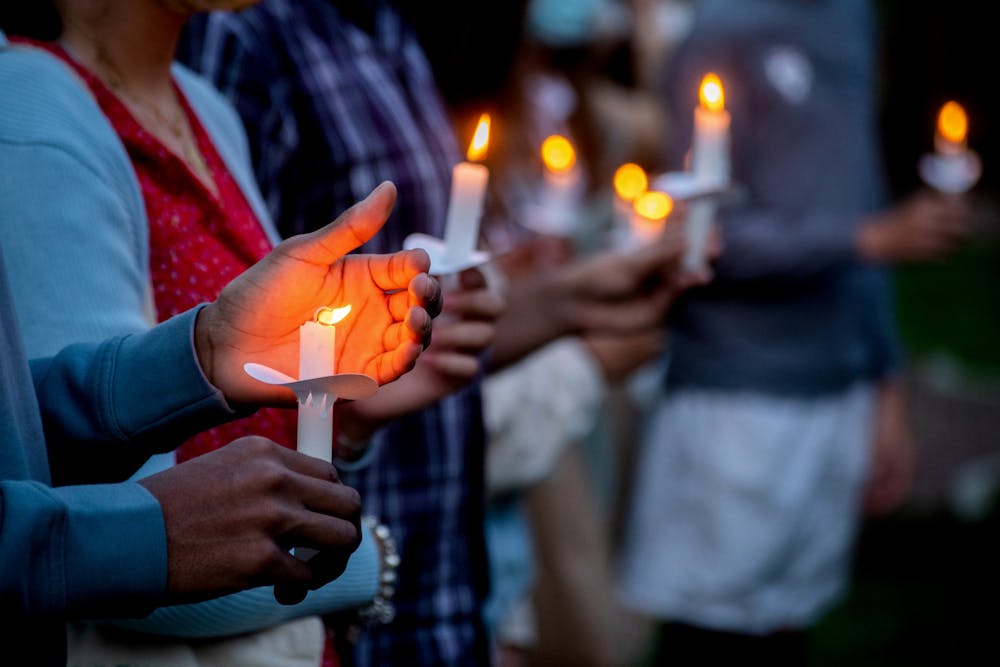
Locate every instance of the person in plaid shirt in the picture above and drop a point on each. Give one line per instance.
(337, 97)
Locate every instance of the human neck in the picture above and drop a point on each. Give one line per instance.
(128, 43)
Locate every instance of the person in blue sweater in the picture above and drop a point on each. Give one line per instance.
(781, 418)
(217, 524)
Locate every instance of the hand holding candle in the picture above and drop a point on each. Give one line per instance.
(258, 315)
(952, 168)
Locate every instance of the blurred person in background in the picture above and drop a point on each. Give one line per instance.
(551, 463)
(782, 418)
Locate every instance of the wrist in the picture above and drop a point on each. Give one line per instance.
(870, 242)
(203, 346)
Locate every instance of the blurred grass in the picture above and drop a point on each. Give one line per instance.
(953, 308)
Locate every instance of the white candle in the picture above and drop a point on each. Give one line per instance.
(697, 227)
(649, 215)
(630, 181)
(468, 191)
(953, 167)
(558, 207)
(710, 164)
(317, 358)
(710, 141)
(952, 130)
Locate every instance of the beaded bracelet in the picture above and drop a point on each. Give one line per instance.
(381, 609)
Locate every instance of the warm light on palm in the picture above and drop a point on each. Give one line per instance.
(257, 317)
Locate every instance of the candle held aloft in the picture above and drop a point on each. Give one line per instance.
(710, 141)
(952, 129)
(468, 192)
(558, 204)
(317, 358)
(952, 167)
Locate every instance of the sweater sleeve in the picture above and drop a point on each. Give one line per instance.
(80, 549)
(256, 609)
(107, 406)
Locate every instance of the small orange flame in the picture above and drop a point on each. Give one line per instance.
(558, 154)
(330, 316)
(952, 123)
(653, 205)
(480, 140)
(710, 93)
(630, 181)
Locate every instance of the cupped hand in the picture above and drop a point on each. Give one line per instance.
(257, 316)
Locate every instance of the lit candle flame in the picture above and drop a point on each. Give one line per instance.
(480, 140)
(952, 123)
(630, 181)
(653, 205)
(710, 93)
(558, 154)
(330, 316)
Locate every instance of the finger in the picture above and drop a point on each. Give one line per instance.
(308, 466)
(455, 365)
(290, 594)
(327, 533)
(352, 229)
(389, 366)
(327, 566)
(399, 305)
(472, 279)
(425, 291)
(481, 304)
(398, 270)
(336, 500)
(463, 335)
(419, 322)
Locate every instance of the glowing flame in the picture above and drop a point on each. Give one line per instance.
(710, 93)
(952, 123)
(630, 181)
(480, 140)
(653, 205)
(330, 316)
(558, 154)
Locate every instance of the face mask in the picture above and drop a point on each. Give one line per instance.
(563, 22)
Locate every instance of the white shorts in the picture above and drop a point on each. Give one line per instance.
(746, 508)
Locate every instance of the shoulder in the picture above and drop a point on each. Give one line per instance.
(47, 105)
(43, 97)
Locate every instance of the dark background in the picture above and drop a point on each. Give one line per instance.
(927, 580)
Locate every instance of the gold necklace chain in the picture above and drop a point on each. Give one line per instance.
(177, 129)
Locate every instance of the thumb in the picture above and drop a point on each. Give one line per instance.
(353, 228)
